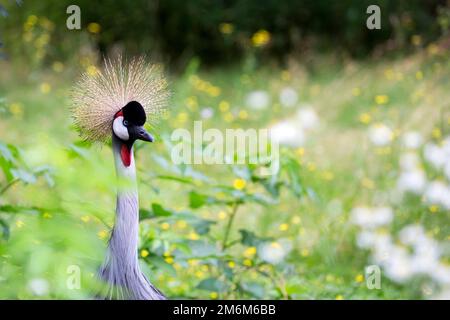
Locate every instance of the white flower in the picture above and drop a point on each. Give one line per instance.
(365, 239)
(371, 218)
(307, 118)
(441, 274)
(274, 252)
(206, 113)
(258, 100)
(380, 135)
(412, 140)
(38, 286)
(287, 133)
(411, 234)
(435, 155)
(438, 193)
(382, 245)
(446, 146)
(409, 161)
(412, 181)
(288, 97)
(398, 266)
(447, 170)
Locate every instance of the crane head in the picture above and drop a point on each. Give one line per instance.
(128, 123)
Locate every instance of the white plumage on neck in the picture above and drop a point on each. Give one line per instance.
(121, 268)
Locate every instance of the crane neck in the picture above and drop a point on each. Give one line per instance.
(123, 244)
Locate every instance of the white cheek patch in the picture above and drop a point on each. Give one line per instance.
(119, 129)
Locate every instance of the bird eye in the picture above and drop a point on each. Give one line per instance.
(125, 123)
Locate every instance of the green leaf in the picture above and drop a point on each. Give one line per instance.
(24, 176)
(202, 226)
(159, 211)
(20, 209)
(5, 229)
(212, 284)
(186, 180)
(259, 198)
(292, 168)
(249, 238)
(255, 289)
(160, 264)
(197, 200)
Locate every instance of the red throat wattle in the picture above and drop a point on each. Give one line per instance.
(125, 154)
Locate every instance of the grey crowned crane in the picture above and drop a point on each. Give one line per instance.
(115, 103)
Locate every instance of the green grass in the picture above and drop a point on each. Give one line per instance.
(339, 169)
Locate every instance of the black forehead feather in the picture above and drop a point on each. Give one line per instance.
(134, 112)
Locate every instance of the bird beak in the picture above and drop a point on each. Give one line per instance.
(143, 135)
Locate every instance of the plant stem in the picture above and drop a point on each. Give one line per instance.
(229, 224)
(9, 185)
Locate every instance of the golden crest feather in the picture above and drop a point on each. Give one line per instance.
(97, 98)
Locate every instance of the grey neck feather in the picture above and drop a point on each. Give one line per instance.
(121, 269)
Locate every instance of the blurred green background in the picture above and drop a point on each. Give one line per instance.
(362, 117)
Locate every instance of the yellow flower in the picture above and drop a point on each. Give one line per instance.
(433, 208)
(57, 66)
(275, 245)
(47, 215)
(169, 260)
(193, 236)
(283, 227)
(222, 215)
(356, 92)
(301, 152)
(419, 75)
(436, 133)
(224, 106)
(243, 114)
(16, 109)
(228, 117)
(102, 234)
(311, 167)
(367, 183)
(305, 252)
(381, 99)
(250, 252)
(416, 40)
(285, 75)
(214, 91)
(181, 224)
(199, 274)
(182, 117)
(85, 219)
(359, 278)
(213, 295)
(193, 262)
(239, 184)
(20, 223)
(328, 176)
(165, 226)
(365, 118)
(247, 262)
(192, 103)
(144, 253)
(32, 19)
(231, 264)
(226, 28)
(260, 38)
(45, 88)
(339, 297)
(296, 220)
(94, 27)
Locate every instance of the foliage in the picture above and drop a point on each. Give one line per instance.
(222, 31)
